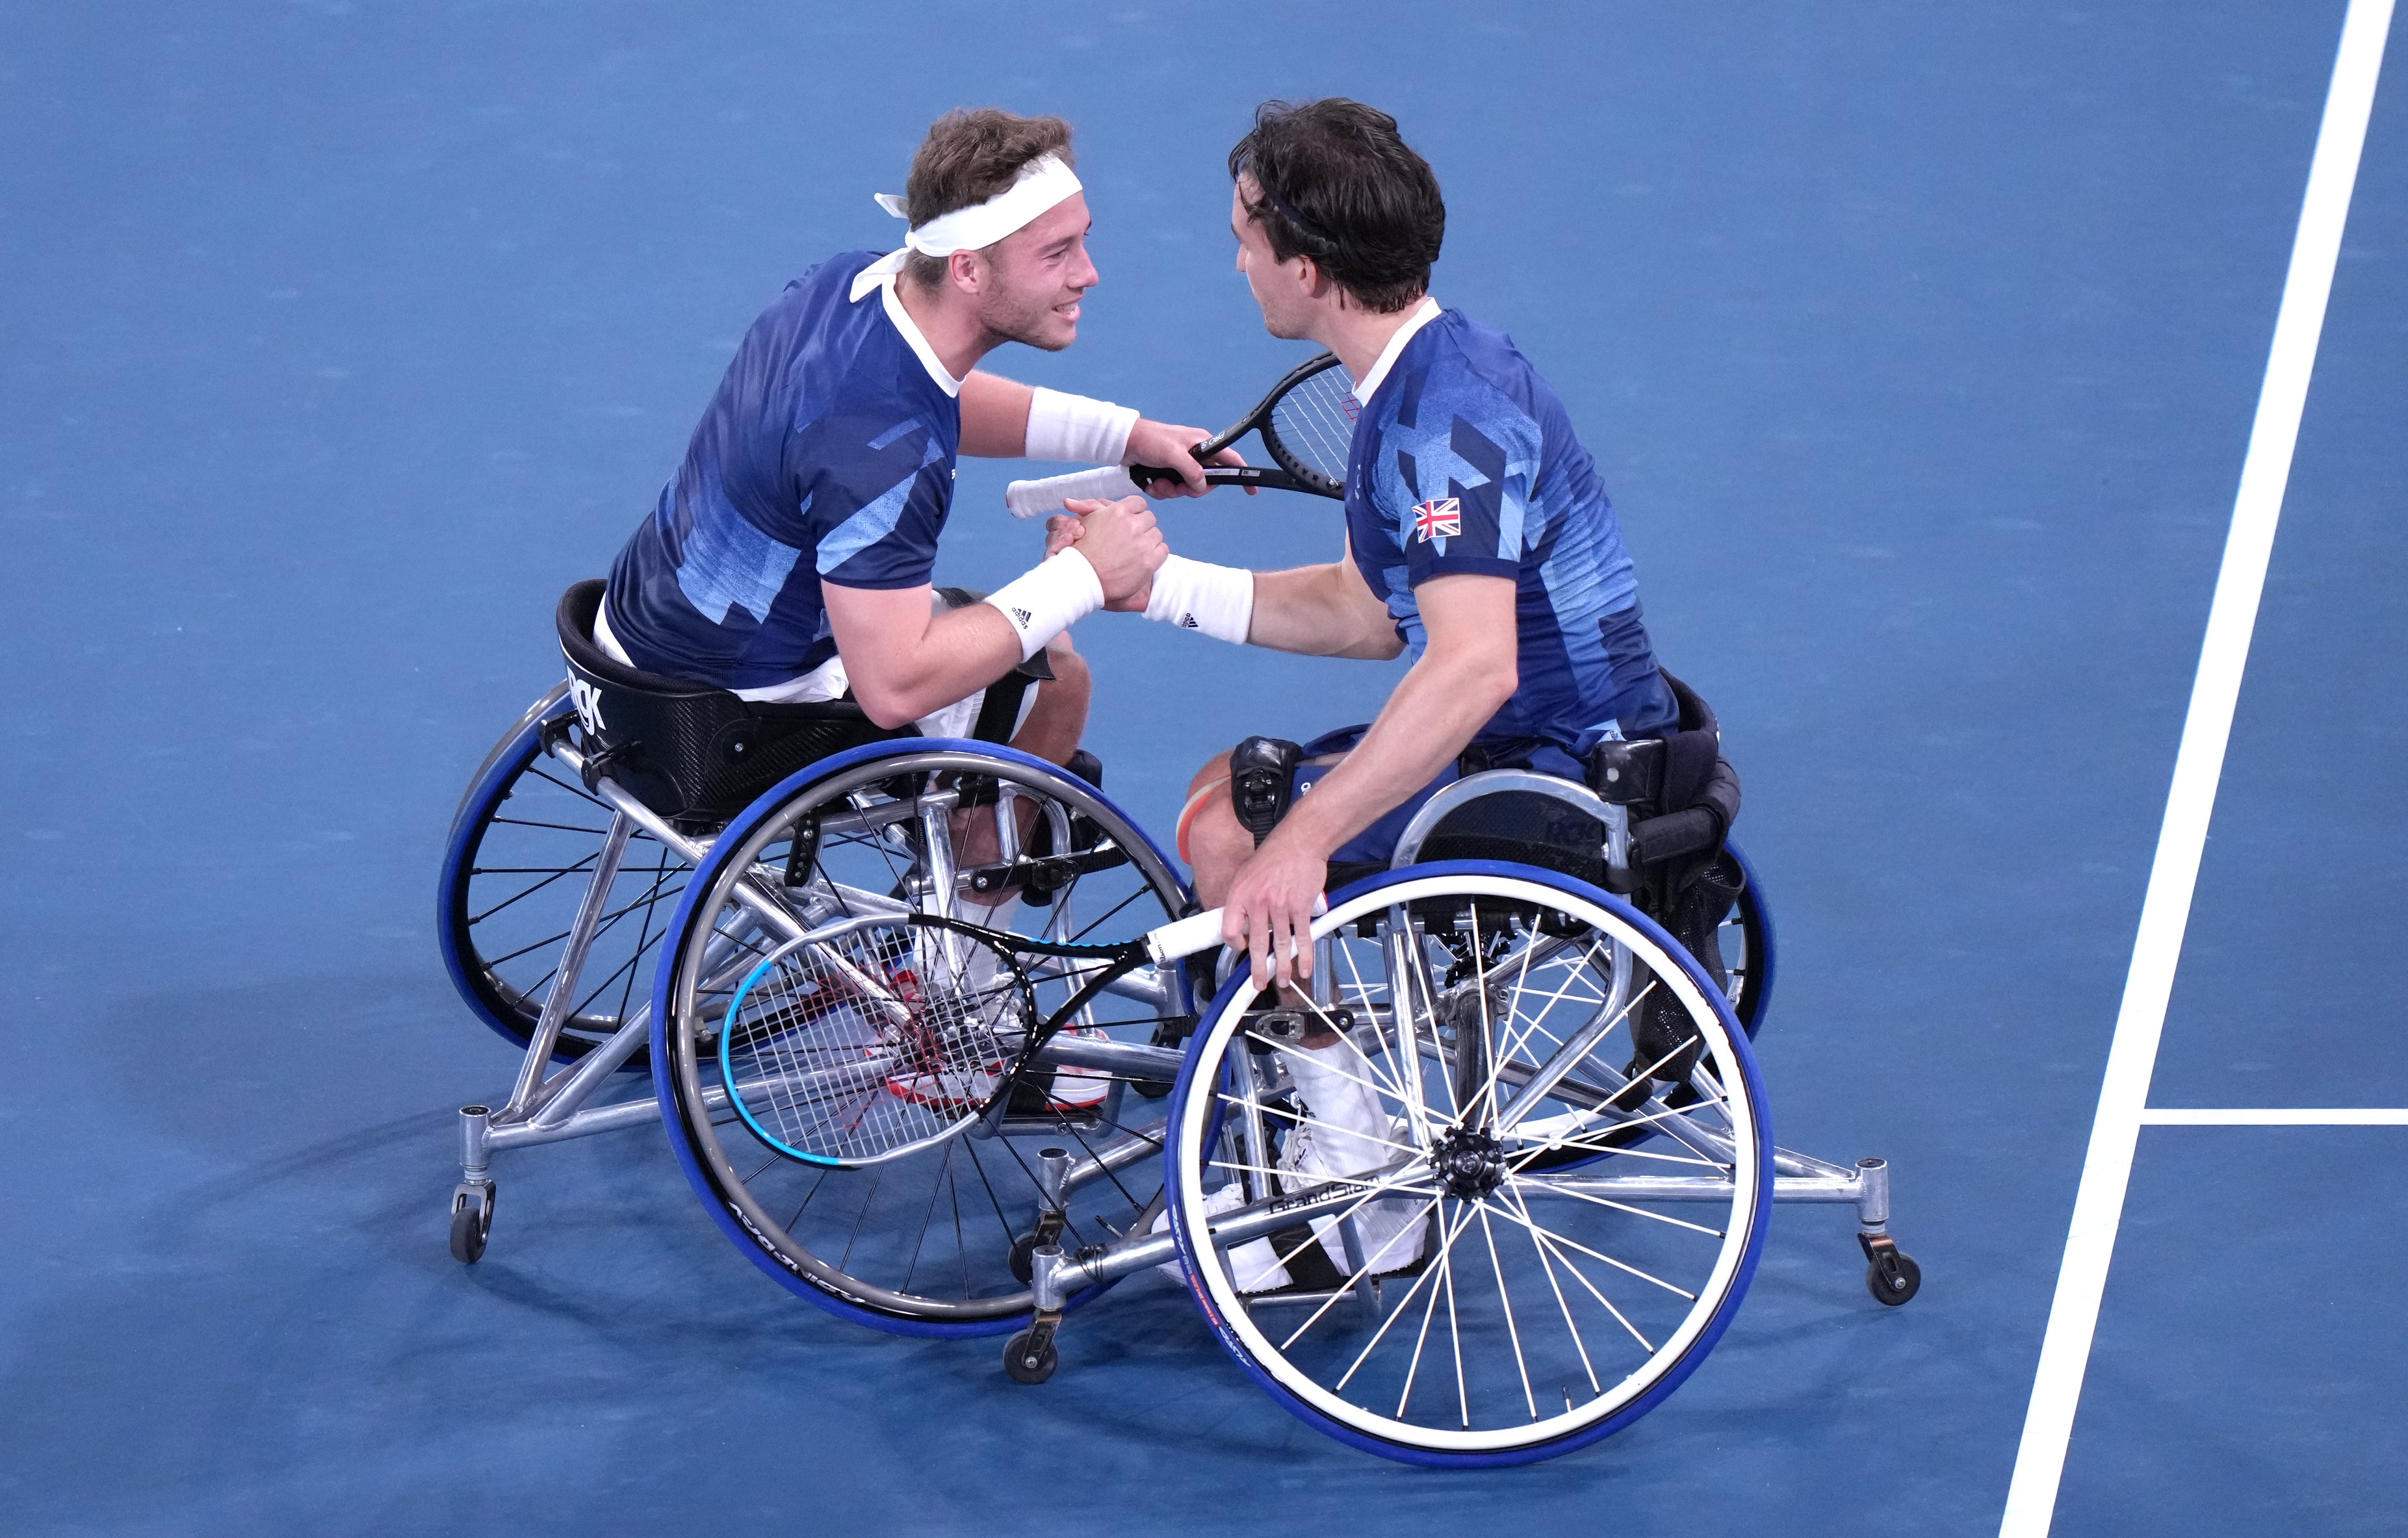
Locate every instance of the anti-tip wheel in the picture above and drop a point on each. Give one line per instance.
(472, 1223)
(1021, 1260)
(1026, 1362)
(1891, 1277)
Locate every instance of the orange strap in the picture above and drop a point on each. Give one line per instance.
(1196, 804)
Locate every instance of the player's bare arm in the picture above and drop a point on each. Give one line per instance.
(997, 411)
(904, 661)
(1467, 673)
(1321, 610)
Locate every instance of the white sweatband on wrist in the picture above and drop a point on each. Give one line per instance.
(1073, 427)
(1048, 599)
(1198, 595)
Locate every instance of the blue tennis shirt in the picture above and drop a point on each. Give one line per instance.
(827, 456)
(1464, 460)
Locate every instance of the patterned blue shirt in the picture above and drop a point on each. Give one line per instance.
(827, 456)
(1464, 460)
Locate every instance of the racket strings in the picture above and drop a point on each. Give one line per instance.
(1315, 422)
(829, 1069)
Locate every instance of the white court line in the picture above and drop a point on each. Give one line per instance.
(2198, 764)
(2188, 1116)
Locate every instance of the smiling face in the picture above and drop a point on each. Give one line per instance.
(1033, 279)
(1283, 289)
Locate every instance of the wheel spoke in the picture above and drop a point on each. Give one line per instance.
(1595, 1254)
(1430, 1309)
(1542, 1181)
(1540, 1239)
(1505, 1298)
(476, 919)
(1345, 1287)
(1352, 1078)
(1266, 1108)
(1563, 1307)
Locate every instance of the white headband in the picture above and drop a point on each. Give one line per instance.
(1044, 182)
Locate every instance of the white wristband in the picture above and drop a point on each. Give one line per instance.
(1048, 599)
(1073, 427)
(1198, 595)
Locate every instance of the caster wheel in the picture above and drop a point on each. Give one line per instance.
(472, 1223)
(1892, 1278)
(1026, 1361)
(1022, 1263)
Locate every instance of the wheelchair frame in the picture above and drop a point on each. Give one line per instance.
(1797, 1177)
(551, 1102)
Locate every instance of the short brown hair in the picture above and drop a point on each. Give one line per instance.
(970, 154)
(1335, 182)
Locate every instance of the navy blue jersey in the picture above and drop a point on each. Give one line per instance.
(827, 456)
(1463, 460)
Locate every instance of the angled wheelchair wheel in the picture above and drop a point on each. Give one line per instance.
(520, 855)
(861, 1139)
(1361, 1192)
(1746, 941)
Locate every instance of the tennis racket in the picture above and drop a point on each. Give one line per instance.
(867, 1039)
(1307, 425)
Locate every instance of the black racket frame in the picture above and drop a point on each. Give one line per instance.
(1286, 473)
(1120, 961)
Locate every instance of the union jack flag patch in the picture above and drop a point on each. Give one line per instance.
(1438, 517)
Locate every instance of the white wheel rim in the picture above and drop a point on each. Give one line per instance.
(1233, 1314)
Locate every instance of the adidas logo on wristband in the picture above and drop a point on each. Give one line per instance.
(1023, 616)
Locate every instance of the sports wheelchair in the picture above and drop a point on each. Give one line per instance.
(927, 1026)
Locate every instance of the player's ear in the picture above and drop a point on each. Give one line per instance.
(968, 271)
(1309, 277)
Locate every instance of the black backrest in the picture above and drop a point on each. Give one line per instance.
(692, 753)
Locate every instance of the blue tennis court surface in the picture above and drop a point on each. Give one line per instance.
(1919, 348)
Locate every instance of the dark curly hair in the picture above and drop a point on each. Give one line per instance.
(1335, 182)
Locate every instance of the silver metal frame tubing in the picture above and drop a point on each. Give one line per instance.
(555, 1106)
(552, 1104)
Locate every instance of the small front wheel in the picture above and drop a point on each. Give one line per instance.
(1891, 1275)
(1026, 1360)
(472, 1223)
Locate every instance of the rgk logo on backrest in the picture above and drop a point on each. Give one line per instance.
(589, 706)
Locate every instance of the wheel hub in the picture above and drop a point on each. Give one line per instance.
(1470, 1164)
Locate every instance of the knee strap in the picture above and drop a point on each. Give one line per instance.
(1262, 781)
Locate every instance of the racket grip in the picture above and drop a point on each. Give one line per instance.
(1188, 935)
(1037, 498)
(1185, 937)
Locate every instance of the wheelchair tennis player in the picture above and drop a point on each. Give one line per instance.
(790, 557)
(1478, 545)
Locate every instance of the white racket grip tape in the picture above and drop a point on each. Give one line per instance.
(1037, 498)
(1184, 936)
(1198, 930)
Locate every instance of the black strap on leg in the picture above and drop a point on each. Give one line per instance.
(1262, 781)
(999, 711)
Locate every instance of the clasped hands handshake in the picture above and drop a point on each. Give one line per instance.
(1119, 539)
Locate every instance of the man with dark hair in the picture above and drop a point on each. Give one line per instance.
(1478, 541)
(790, 557)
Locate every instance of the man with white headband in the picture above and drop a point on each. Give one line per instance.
(791, 556)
